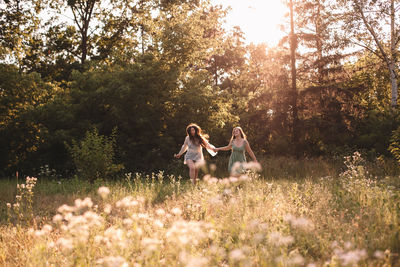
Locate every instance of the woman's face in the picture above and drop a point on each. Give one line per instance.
(192, 131)
(236, 132)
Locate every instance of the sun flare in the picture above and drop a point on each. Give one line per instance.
(258, 19)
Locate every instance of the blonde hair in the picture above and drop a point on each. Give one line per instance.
(242, 134)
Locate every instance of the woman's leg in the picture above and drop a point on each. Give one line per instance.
(192, 170)
(196, 174)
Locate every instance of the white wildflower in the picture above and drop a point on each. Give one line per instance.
(158, 224)
(379, 254)
(176, 211)
(103, 192)
(278, 239)
(112, 261)
(127, 222)
(57, 218)
(353, 257)
(160, 212)
(236, 255)
(107, 209)
(65, 245)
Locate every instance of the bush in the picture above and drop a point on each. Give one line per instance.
(394, 147)
(94, 156)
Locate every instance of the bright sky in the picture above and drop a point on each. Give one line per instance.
(258, 19)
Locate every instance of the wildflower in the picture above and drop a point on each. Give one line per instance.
(9, 205)
(176, 211)
(107, 209)
(87, 202)
(51, 244)
(128, 222)
(139, 231)
(112, 261)
(295, 259)
(197, 262)
(277, 239)
(258, 238)
(300, 222)
(353, 257)
(160, 212)
(98, 239)
(127, 202)
(158, 224)
(103, 192)
(150, 244)
(348, 244)
(379, 254)
(244, 178)
(65, 208)
(18, 197)
(224, 181)
(92, 218)
(233, 179)
(254, 166)
(65, 245)
(57, 218)
(40, 233)
(236, 255)
(47, 228)
(114, 234)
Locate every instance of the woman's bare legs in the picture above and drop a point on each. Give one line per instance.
(196, 174)
(192, 170)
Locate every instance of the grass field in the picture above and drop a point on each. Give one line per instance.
(294, 213)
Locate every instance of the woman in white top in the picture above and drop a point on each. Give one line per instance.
(193, 146)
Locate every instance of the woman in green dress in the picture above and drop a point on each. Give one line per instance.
(239, 146)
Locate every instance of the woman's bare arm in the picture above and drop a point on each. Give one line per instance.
(225, 148)
(251, 153)
(183, 148)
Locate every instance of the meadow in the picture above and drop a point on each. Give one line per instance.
(293, 213)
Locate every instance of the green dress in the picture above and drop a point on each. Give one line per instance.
(237, 155)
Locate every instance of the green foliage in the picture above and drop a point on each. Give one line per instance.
(394, 147)
(152, 67)
(94, 156)
(21, 133)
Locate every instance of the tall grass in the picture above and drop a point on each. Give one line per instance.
(349, 217)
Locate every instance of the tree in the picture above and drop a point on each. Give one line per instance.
(294, 93)
(366, 23)
(19, 24)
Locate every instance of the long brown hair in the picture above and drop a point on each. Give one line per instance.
(199, 135)
(241, 134)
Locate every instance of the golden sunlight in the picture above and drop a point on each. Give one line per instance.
(258, 19)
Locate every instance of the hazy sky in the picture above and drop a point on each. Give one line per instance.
(258, 19)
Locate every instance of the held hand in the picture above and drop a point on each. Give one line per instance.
(216, 149)
(177, 156)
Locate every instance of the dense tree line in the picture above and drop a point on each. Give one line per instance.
(144, 69)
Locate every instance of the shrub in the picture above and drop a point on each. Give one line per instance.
(94, 155)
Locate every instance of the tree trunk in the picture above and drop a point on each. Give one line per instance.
(293, 44)
(393, 82)
(388, 59)
(392, 69)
